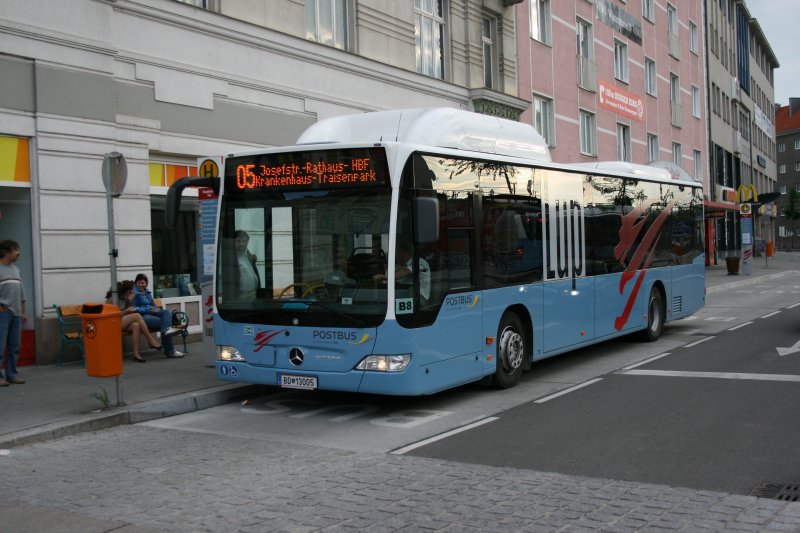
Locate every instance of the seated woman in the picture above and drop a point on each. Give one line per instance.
(154, 317)
(132, 321)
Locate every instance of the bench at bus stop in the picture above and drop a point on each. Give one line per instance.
(71, 330)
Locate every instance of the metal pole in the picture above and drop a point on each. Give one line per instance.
(112, 249)
(120, 400)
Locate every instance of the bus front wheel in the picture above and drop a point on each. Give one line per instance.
(511, 350)
(655, 316)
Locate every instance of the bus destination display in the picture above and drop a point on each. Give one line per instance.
(307, 170)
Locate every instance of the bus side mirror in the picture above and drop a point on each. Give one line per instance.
(175, 193)
(426, 214)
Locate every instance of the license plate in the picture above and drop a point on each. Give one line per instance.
(297, 382)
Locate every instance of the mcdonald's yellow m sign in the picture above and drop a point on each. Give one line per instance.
(745, 192)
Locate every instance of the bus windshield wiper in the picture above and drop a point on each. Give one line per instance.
(330, 309)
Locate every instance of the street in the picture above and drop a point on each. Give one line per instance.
(622, 435)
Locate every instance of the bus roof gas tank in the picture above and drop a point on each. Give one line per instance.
(441, 127)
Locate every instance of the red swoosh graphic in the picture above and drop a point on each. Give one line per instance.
(263, 338)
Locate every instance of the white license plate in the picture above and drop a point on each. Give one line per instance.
(297, 382)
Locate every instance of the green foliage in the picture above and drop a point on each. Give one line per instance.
(102, 397)
(792, 208)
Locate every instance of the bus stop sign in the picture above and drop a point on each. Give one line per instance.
(115, 173)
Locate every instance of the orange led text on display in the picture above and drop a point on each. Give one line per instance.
(252, 176)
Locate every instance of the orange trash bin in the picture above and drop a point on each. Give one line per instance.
(770, 248)
(102, 339)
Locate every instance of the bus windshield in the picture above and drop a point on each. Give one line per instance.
(303, 238)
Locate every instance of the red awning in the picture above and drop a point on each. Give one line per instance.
(720, 205)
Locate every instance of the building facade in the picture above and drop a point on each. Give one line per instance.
(166, 83)
(616, 80)
(787, 126)
(741, 121)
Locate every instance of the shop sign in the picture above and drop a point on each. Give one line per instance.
(726, 194)
(613, 15)
(746, 193)
(620, 101)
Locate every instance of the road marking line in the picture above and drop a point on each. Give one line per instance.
(640, 363)
(793, 305)
(410, 447)
(771, 314)
(695, 343)
(567, 391)
(740, 326)
(713, 375)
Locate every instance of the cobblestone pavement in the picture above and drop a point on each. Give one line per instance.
(139, 478)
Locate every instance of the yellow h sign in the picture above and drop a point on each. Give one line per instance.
(208, 169)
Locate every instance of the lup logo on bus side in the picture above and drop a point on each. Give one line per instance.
(565, 253)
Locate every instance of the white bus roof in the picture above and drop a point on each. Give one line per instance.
(440, 127)
(655, 170)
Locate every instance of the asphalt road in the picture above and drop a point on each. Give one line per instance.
(718, 413)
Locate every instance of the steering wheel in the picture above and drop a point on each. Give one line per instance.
(308, 289)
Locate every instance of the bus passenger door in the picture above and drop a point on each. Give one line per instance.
(568, 312)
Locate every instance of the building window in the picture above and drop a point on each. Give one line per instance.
(693, 38)
(797, 144)
(782, 189)
(677, 154)
(621, 61)
(698, 165)
(672, 33)
(652, 147)
(623, 142)
(797, 166)
(175, 270)
(543, 118)
(781, 147)
(588, 133)
(650, 77)
(649, 10)
(797, 187)
(585, 39)
(782, 168)
(488, 33)
(326, 22)
(540, 20)
(674, 89)
(429, 33)
(165, 174)
(695, 101)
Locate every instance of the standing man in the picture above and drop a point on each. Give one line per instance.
(247, 279)
(12, 310)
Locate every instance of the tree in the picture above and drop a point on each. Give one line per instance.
(792, 213)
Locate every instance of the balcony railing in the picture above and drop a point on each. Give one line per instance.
(677, 115)
(587, 74)
(674, 45)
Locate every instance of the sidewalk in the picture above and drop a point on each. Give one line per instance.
(57, 400)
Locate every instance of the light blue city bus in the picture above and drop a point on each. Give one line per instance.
(407, 252)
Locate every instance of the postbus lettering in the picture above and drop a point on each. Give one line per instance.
(335, 335)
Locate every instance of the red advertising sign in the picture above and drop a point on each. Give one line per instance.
(620, 101)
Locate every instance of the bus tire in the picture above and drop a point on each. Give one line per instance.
(511, 350)
(655, 316)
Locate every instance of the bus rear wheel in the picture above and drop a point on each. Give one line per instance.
(655, 316)
(511, 350)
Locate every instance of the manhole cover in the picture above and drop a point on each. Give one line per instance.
(777, 491)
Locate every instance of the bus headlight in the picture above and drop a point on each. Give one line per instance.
(385, 363)
(229, 353)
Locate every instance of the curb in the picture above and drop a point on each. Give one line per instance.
(130, 414)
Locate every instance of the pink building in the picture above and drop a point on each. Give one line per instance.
(616, 80)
